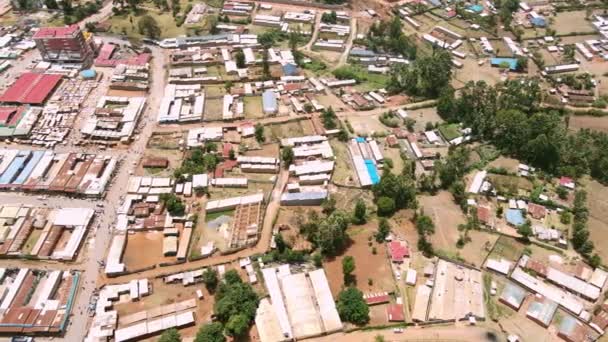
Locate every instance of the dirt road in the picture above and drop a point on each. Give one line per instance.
(97, 246)
(433, 334)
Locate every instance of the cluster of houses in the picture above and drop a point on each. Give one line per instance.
(36, 301)
(539, 290)
(55, 234)
(310, 171)
(301, 22)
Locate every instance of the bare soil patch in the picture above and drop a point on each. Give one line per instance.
(368, 265)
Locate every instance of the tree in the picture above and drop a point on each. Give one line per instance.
(383, 230)
(329, 17)
(562, 192)
(237, 325)
(330, 235)
(352, 307)
(425, 225)
(174, 204)
(51, 4)
(210, 332)
(386, 206)
(170, 335)
(317, 259)
(210, 279)
(525, 230)
(329, 118)
(259, 133)
(565, 217)
(287, 156)
(359, 215)
(348, 267)
(235, 303)
(148, 27)
(280, 243)
(240, 59)
(232, 277)
(329, 205)
(265, 64)
(400, 188)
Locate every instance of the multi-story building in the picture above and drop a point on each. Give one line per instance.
(65, 45)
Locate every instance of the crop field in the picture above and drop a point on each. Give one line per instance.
(507, 248)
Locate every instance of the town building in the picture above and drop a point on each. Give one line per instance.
(65, 45)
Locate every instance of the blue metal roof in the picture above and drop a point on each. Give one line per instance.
(290, 69)
(27, 169)
(515, 217)
(497, 61)
(539, 22)
(269, 101)
(12, 171)
(358, 52)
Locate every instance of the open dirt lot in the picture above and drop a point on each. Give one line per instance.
(152, 243)
(568, 22)
(368, 265)
(597, 195)
(288, 220)
(447, 216)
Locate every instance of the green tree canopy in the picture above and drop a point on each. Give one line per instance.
(210, 332)
(352, 307)
(170, 335)
(149, 27)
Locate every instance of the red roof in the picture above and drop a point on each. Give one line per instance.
(398, 251)
(395, 313)
(10, 116)
(56, 32)
(104, 59)
(565, 181)
(377, 298)
(483, 214)
(31, 88)
(536, 211)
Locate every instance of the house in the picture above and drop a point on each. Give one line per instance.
(484, 215)
(515, 217)
(394, 313)
(537, 211)
(269, 102)
(567, 182)
(397, 251)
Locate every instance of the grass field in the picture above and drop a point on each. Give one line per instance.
(291, 129)
(253, 107)
(450, 131)
(127, 24)
(507, 248)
